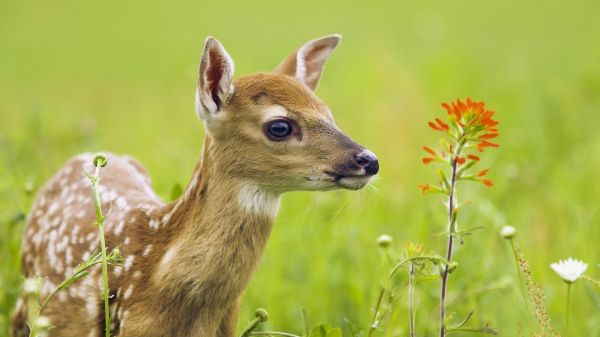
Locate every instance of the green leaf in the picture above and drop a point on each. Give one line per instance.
(355, 331)
(325, 330)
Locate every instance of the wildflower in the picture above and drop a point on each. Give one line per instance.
(433, 157)
(508, 232)
(42, 322)
(425, 188)
(384, 241)
(30, 286)
(570, 269)
(470, 127)
(413, 249)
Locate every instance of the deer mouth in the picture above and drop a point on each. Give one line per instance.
(350, 181)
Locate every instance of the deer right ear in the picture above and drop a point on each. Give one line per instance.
(307, 64)
(215, 79)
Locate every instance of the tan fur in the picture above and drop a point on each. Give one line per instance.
(186, 262)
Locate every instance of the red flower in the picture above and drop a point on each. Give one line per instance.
(482, 173)
(472, 114)
(434, 155)
(425, 188)
(483, 144)
(487, 182)
(470, 126)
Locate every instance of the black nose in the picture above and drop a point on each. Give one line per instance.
(367, 160)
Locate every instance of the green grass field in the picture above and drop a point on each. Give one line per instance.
(120, 76)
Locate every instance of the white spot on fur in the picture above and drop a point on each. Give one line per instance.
(119, 227)
(154, 224)
(128, 292)
(52, 208)
(121, 202)
(257, 201)
(69, 256)
(128, 262)
(166, 259)
(147, 250)
(123, 318)
(86, 255)
(92, 307)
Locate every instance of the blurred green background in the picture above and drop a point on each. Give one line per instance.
(120, 75)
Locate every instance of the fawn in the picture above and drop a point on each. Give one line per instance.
(187, 262)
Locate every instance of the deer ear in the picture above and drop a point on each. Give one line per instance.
(215, 79)
(307, 63)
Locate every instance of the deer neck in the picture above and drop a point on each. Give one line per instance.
(218, 229)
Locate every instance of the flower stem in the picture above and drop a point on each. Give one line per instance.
(521, 283)
(411, 299)
(375, 318)
(568, 305)
(451, 230)
(100, 219)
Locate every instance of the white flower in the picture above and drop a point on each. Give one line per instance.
(42, 322)
(508, 232)
(30, 286)
(384, 240)
(570, 269)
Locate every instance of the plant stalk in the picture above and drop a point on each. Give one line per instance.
(568, 307)
(411, 299)
(451, 203)
(518, 270)
(100, 219)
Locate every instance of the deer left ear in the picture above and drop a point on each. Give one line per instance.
(215, 79)
(307, 64)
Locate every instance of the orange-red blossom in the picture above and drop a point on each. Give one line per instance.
(470, 126)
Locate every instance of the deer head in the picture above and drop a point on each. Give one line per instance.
(272, 130)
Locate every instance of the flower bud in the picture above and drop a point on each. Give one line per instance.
(30, 286)
(29, 186)
(452, 266)
(508, 232)
(42, 322)
(100, 160)
(384, 241)
(262, 315)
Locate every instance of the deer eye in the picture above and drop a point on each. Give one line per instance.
(279, 129)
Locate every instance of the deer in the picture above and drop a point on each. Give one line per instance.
(187, 262)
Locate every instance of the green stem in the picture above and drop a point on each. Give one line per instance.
(32, 314)
(568, 306)
(411, 299)
(451, 230)
(64, 284)
(100, 219)
(521, 283)
(372, 326)
(250, 326)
